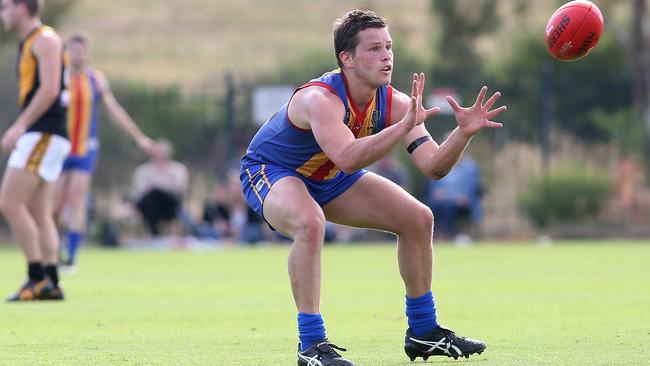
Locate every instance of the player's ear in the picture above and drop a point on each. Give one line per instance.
(346, 58)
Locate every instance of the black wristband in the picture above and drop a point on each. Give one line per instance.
(417, 142)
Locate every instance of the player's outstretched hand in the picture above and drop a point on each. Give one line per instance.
(148, 146)
(416, 113)
(474, 118)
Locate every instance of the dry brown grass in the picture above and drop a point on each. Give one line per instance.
(193, 42)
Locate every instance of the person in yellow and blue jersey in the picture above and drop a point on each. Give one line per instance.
(37, 145)
(87, 89)
(306, 165)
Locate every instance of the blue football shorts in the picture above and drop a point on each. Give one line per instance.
(85, 163)
(258, 178)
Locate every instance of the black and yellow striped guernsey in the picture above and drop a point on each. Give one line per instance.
(54, 119)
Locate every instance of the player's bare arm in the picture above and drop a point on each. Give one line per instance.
(120, 117)
(323, 112)
(48, 50)
(437, 160)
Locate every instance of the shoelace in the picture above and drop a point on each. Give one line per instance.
(325, 348)
(451, 335)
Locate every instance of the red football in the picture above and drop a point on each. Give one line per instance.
(573, 30)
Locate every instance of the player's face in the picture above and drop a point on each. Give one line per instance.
(79, 54)
(373, 58)
(8, 14)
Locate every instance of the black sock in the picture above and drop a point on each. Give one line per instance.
(35, 271)
(52, 273)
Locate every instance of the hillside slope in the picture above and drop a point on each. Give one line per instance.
(192, 42)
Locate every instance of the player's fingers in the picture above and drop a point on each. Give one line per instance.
(421, 90)
(452, 103)
(480, 96)
(493, 124)
(492, 100)
(413, 104)
(414, 85)
(495, 112)
(433, 111)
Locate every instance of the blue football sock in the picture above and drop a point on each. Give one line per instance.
(311, 329)
(74, 241)
(421, 313)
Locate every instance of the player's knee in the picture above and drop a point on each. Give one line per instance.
(428, 218)
(77, 195)
(422, 221)
(7, 206)
(311, 228)
(41, 218)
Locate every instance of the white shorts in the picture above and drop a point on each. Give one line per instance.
(40, 153)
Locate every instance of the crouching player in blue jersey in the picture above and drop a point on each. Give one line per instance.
(305, 166)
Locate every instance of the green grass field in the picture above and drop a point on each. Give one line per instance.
(567, 304)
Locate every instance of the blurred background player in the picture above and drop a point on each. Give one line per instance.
(38, 145)
(305, 166)
(86, 88)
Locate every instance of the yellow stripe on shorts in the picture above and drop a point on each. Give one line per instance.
(250, 179)
(264, 176)
(37, 154)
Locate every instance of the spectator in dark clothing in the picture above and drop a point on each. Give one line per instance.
(253, 231)
(157, 206)
(456, 197)
(393, 170)
(217, 211)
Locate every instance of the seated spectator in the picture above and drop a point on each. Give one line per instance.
(456, 196)
(217, 211)
(392, 169)
(253, 229)
(159, 188)
(225, 212)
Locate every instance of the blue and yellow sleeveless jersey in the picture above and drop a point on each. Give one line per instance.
(83, 112)
(284, 144)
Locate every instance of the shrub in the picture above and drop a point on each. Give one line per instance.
(568, 194)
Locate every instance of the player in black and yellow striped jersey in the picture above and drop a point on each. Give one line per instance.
(38, 145)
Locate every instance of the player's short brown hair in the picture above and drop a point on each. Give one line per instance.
(79, 38)
(34, 7)
(348, 27)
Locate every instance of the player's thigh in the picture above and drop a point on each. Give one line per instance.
(289, 207)
(41, 203)
(78, 186)
(377, 203)
(18, 186)
(61, 190)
